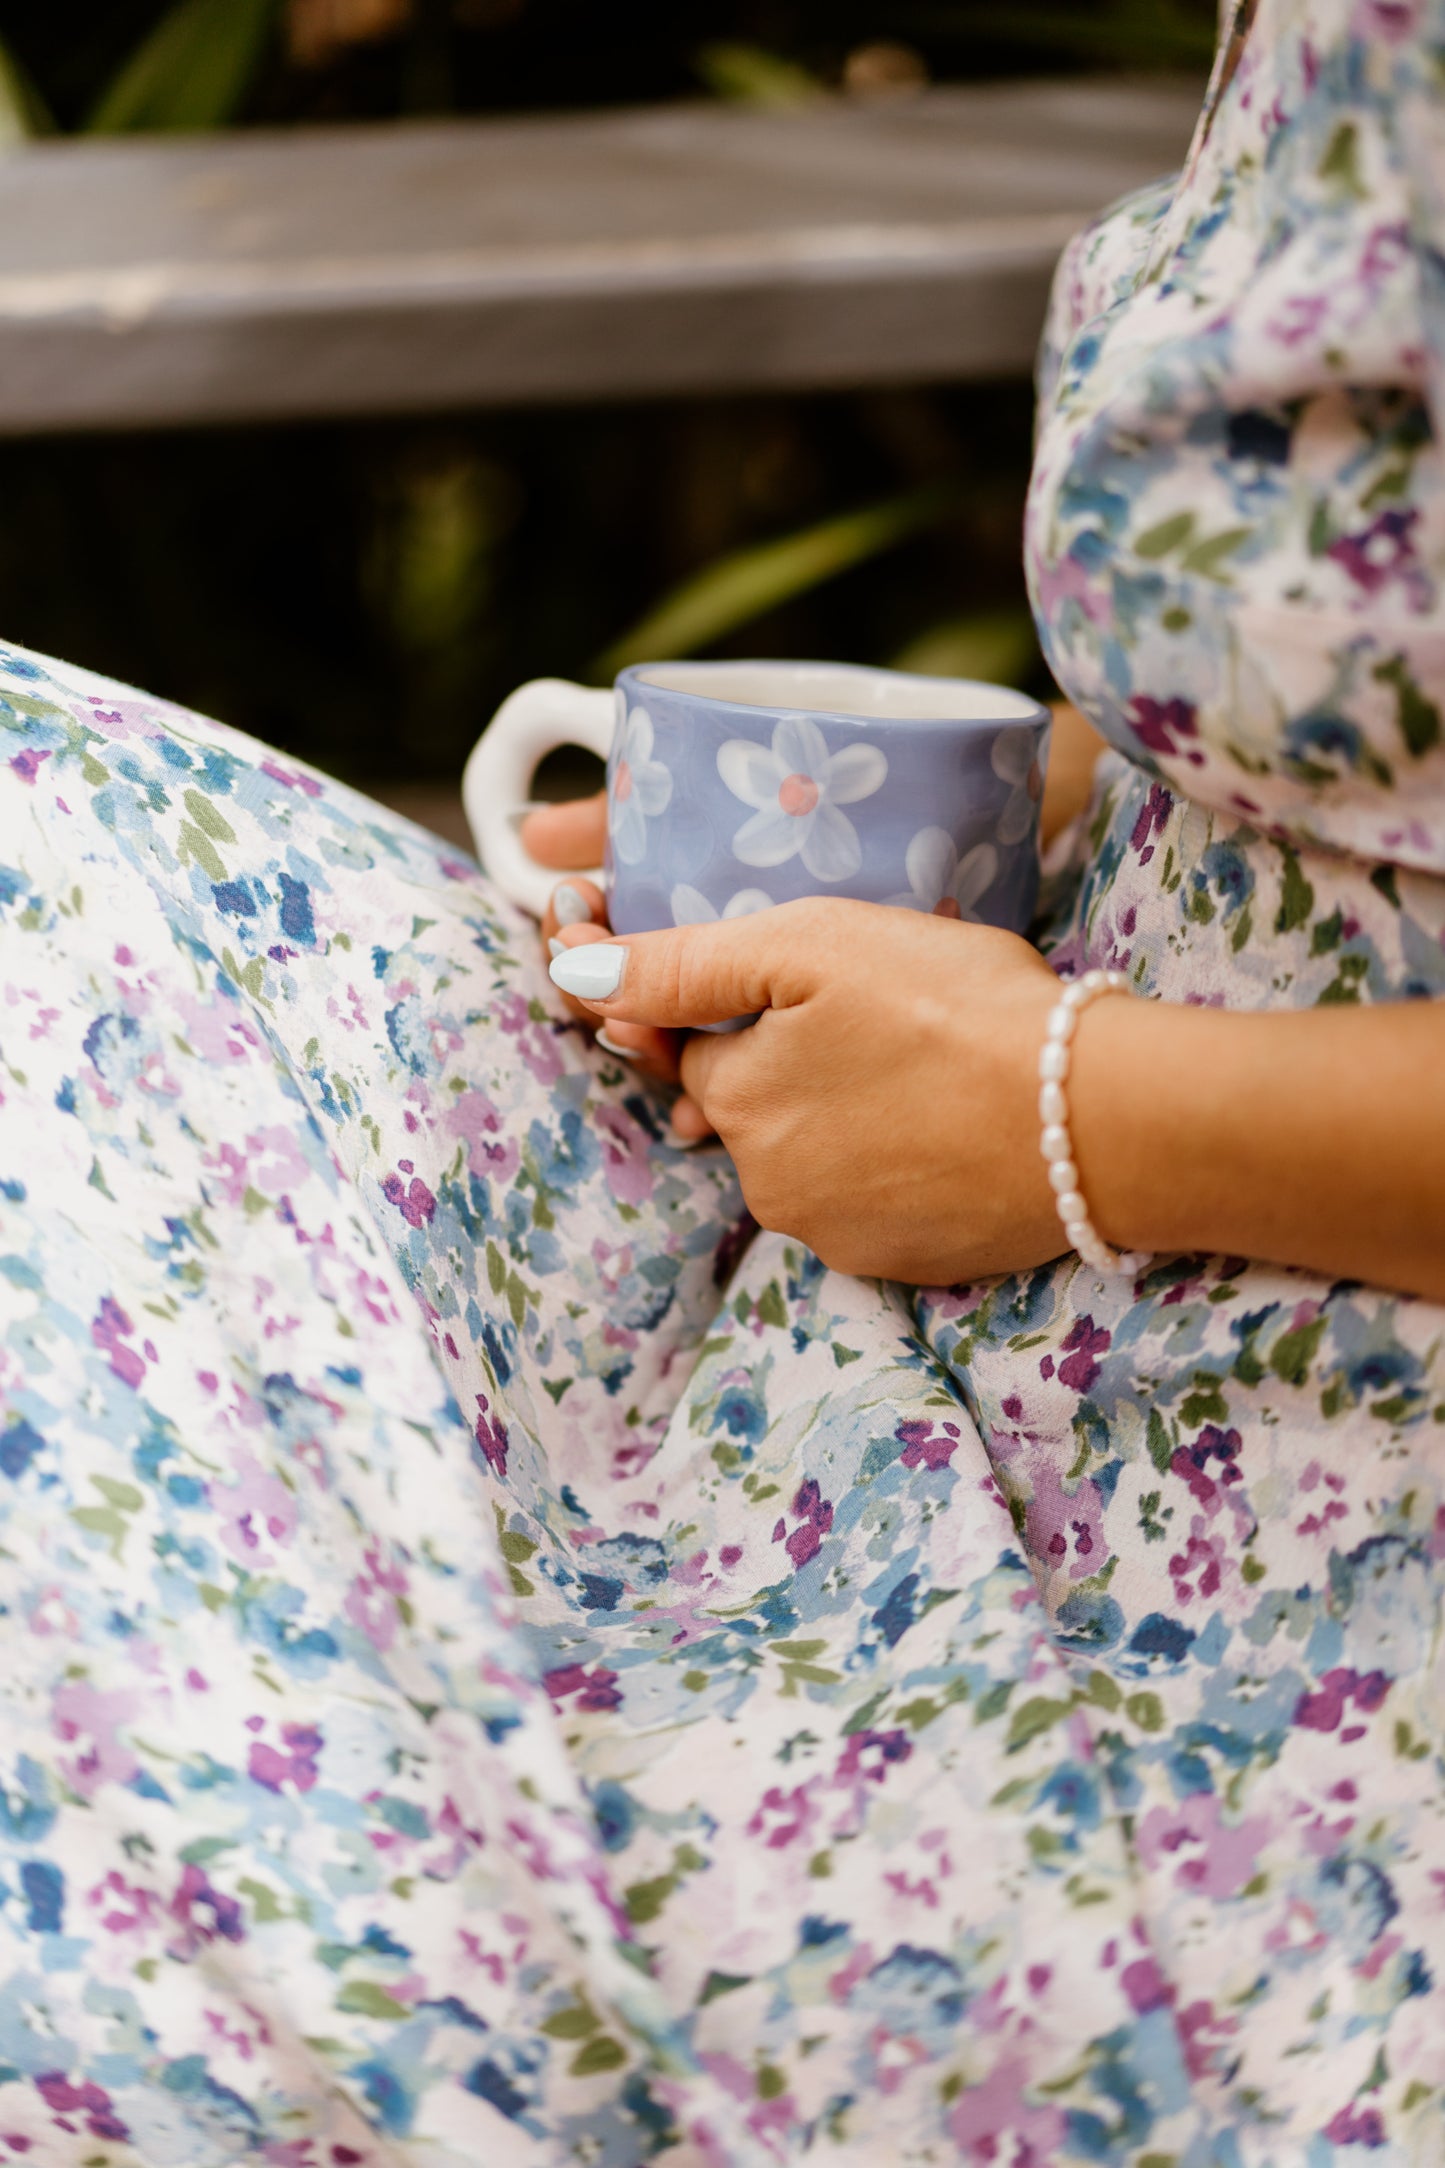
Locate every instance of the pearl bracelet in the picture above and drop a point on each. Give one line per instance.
(1055, 1144)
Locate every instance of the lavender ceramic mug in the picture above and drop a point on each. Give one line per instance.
(735, 785)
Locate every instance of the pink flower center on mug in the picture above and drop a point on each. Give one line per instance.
(947, 907)
(622, 783)
(798, 794)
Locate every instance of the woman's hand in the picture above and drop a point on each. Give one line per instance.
(574, 835)
(884, 1107)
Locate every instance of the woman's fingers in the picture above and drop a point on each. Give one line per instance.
(690, 1123)
(654, 1051)
(570, 835)
(577, 902)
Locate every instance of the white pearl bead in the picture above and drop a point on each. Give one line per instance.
(1074, 994)
(1053, 1107)
(1054, 1143)
(1079, 1232)
(1063, 1175)
(1062, 1022)
(1091, 979)
(1072, 1206)
(1053, 1061)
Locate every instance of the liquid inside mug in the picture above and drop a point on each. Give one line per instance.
(735, 785)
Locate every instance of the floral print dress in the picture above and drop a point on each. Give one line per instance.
(507, 1664)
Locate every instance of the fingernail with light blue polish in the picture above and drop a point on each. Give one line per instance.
(556, 947)
(570, 906)
(592, 973)
(610, 1046)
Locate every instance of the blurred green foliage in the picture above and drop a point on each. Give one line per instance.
(284, 60)
(193, 71)
(365, 594)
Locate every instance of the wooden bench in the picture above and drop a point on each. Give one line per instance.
(672, 250)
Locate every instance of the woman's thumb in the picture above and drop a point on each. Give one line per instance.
(683, 976)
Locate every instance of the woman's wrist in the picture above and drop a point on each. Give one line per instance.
(1304, 1138)
(1140, 1096)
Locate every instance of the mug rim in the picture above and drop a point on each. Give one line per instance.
(1033, 710)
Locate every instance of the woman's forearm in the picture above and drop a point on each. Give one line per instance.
(1313, 1138)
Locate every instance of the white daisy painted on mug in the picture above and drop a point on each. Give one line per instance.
(1014, 760)
(943, 883)
(641, 787)
(797, 787)
(690, 906)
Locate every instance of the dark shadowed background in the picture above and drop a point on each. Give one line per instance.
(364, 594)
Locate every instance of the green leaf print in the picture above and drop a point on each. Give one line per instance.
(577, 2022)
(1207, 557)
(1341, 161)
(597, 2056)
(1294, 1351)
(368, 1998)
(193, 844)
(1168, 535)
(1418, 718)
(1296, 896)
(205, 816)
(1031, 1718)
(770, 1306)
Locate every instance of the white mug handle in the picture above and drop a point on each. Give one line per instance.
(497, 782)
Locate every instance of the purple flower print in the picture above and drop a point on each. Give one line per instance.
(786, 1816)
(925, 1447)
(626, 1154)
(87, 2100)
(1323, 1709)
(1160, 724)
(995, 2119)
(297, 1765)
(536, 1042)
(82, 1711)
(869, 1755)
(1199, 1568)
(1192, 1463)
(416, 1204)
(595, 1689)
(1153, 815)
(204, 1913)
(109, 1325)
(491, 1436)
(1392, 19)
(1383, 551)
(1082, 1346)
(476, 1121)
(815, 1513)
(1212, 1857)
(1354, 2125)
(1145, 1986)
(257, 1505)
(375, 1599)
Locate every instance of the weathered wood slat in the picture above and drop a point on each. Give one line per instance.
(664, 251)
